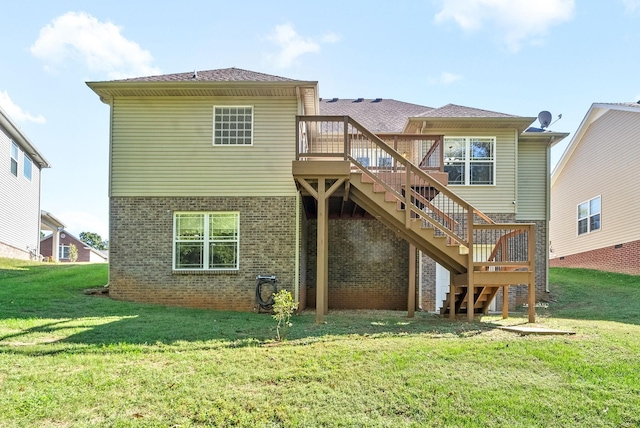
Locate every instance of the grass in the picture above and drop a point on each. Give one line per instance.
(70, 359)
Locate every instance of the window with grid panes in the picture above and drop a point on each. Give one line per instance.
(589, 216)
(470, 160)
(206, 241)
(233, 126)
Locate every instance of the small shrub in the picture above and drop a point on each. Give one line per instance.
(283, 308)
(73, 253)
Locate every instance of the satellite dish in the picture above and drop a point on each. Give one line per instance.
(545, 118)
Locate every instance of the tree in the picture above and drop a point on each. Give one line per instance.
(94, 240)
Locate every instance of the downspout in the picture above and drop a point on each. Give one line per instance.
(548, 210)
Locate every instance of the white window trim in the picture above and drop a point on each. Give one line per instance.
(61, 248)
(205, 255)
(214, 125)
(17, 150)
(588, 218)
(26, 159)
(468, 161)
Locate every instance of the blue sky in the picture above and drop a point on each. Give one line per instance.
(511, 56)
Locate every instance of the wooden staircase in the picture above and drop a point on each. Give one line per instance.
(481, 256)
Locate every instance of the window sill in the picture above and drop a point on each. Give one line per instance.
(204, 272)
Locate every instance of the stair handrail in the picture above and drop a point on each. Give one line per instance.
(410, 168)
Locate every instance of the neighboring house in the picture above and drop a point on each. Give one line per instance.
(49, 222)
(595, 191)
(219, 176)
(20, 167)
(86, 253)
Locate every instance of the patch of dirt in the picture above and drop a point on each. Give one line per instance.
(97, 291)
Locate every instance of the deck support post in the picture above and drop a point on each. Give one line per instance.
(505, 302)
(532, 274)
(471, 301)
(321, 262)
(411, 295)
(452, 297)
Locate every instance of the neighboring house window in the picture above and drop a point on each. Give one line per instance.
(14, 159)
(470, 160)
(233, 126)
(63, 252)
(589, 216)
(27, 167)
(206, 241)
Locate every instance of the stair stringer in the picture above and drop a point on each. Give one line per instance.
(424, 239)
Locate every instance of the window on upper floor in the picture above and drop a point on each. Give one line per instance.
(27, 167)
(470, 161)
(589, 216)
(206, 241)
(14, 158)
(233, 126)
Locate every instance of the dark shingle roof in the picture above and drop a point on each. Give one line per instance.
(377, 115)
(221, 75)
(454, 110)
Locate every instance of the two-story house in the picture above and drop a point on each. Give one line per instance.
(590, 218)
(219, 176)
(19, 192)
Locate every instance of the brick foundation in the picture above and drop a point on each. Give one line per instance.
(142, 241)
(624, 259)
(368, 265)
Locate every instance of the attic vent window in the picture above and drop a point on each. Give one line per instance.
(233, 126)
(359, 100)
(377, 100)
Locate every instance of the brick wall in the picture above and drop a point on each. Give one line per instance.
(12, 252)
(141, 240)
(368, 265)
(624, 259)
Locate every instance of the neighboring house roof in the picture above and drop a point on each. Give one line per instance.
(221, 75)
(377, 115)
(22, 140)
(595, 111)
(50, 221)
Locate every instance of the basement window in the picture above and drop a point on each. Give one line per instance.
(206, 241)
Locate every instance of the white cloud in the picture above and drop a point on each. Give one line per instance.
(631, 5)
(292, 45)
(447, 78)
(16, 112)
(519, 20)
(79, 37)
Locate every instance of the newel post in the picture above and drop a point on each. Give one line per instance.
(470, 269)
(298, 138)
(347, 145)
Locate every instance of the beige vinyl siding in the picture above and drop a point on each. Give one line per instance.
(19, 200)
(499, 197)
(533, 176)
(164, 147)
(604, 163)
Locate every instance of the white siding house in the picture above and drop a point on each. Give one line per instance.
(20, 167)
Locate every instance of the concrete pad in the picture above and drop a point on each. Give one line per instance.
(535, 330)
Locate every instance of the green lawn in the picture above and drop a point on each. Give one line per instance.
(70, 359)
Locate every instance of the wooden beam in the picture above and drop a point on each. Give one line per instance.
(411, 295)
(505, 302)
(326, 257)
(321, 261)
(532, 297)
(303, 182)
(470, 271)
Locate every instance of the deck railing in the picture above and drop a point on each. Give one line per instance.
(401, 164)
